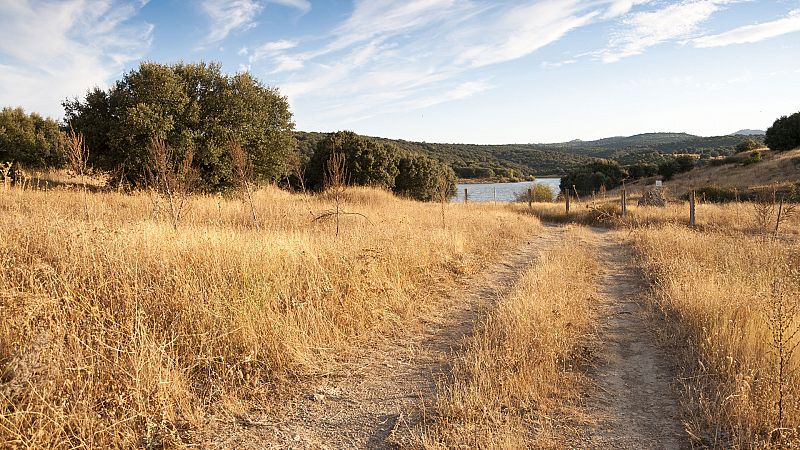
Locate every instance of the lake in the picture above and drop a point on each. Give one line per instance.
(506, 192)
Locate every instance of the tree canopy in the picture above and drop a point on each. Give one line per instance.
(784, 134)
(30, 139)
(425, 179)
(192, 107)
(367, 163)
(591, 177)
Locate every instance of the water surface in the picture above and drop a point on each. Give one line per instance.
(501, 192)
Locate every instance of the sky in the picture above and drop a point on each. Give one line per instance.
(468, 71)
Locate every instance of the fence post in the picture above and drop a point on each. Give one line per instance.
(692, 200)
(566, 198)
(624, 203)
(494, 195)
(530, 198)
(466, 195)
(780, 212)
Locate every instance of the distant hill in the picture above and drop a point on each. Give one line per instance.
(747, 132)
(521, 160)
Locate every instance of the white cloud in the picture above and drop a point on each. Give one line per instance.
(228, 16)
(303, 6)
(642, 30)
(752, 33)
(418, 53)
(56, 50)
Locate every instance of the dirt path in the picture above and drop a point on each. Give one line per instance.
(634, 405)
(388, 389)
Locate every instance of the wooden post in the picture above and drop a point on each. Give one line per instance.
(566, 198)
(494, 194)
(624, 203)
(692, 200)
(466, 195)
(780, 212)
(530, 198)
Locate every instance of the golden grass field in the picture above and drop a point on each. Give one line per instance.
(526, 361)
(728, 295)
(119, 331)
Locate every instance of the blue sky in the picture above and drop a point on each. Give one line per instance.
(437, 70)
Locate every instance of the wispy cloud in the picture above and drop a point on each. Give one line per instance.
(752, 33)
(55, 50)
(228, 16)
(646, 29)
(419, 53)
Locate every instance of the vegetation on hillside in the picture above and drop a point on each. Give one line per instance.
(519, 161)
(784, 134)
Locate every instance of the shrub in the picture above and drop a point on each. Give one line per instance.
(638, 171)
(714, 194)
(680, 164)
(748, 144)
(421, 178)
(754, 158)
(784, 134)
(367, 163)
(30, 139)
(592, 177)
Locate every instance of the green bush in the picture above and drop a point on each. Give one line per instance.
(30, 139)
(754, 158)
(714, 194)
(367, 163)
(748, 144)
(592, 177)
(424, 179)
(680, 164)
(784, 134)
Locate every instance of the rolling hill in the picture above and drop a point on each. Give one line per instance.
(522, 160)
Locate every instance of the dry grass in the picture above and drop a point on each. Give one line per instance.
(522, 368)
(722, 291)
(740, 217)
(776, 168)
(119, 331)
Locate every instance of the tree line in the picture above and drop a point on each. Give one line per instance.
(200, 114)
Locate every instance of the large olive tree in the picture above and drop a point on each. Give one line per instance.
(193, 107)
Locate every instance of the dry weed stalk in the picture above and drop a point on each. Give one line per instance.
(443, 194)
(336, 184)
(169, 178)
(78, 156)
(784, 326)
(5, 170)
(243, 174)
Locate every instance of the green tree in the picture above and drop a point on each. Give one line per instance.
(784, 134)
(683, 163)
(194, 108)
(420, 178)
(30, 139)
(366, 162)
(748, 145)
(591, 177)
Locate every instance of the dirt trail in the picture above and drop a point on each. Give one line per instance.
(388, 389)
(634, 405)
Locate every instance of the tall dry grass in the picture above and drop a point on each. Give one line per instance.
(120, 331)
(741, 216)
(723, 292)
(520, 376)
